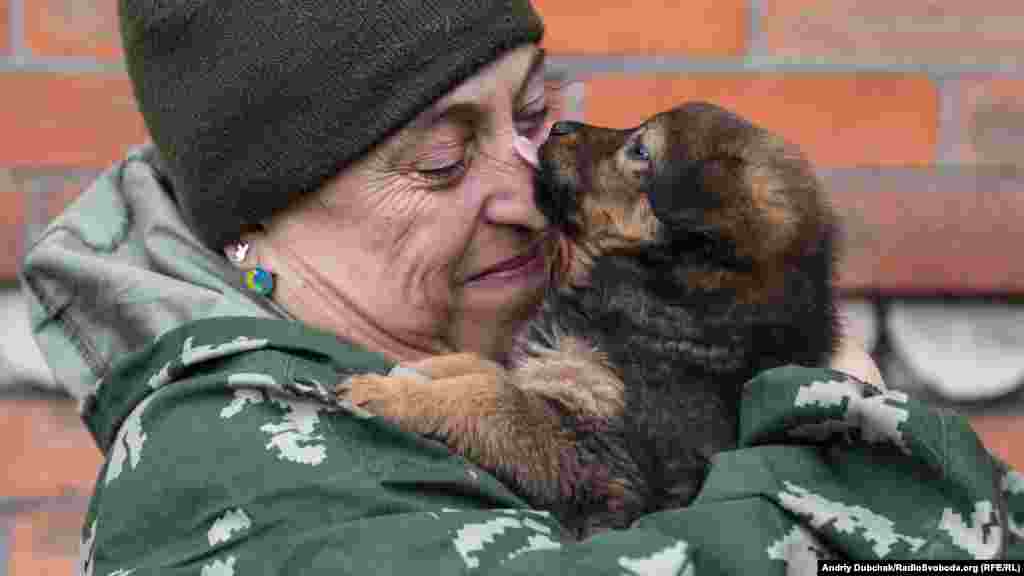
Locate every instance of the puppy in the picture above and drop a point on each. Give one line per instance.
(699, 252)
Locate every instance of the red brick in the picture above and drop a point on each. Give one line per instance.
(985, 32)
(716, 28)
(62, 187)
(12, 225)
(67, 120)
(52, 188)
(55, 188)
(45, 543)
(839, 120)
(1001, 434)
(989, 120)
(46, 449)
(73, 28)
(927, 241)
(5, 27)
(60, 197)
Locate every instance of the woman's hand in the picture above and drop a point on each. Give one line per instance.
(853, 359)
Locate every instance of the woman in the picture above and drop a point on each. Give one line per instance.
(360, 156)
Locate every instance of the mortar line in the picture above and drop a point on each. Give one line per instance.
(16, 28)
(571, 95)
(755, 38)
(60, 65)
(6, 533)
(971, 179)
(37, 191)
(11, 506)
(632, 64)
(949, 134)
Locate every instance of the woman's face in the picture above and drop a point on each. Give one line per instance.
(432, 242)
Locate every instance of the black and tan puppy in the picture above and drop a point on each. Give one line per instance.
(701, 253)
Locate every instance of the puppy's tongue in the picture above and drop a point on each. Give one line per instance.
(527, 150)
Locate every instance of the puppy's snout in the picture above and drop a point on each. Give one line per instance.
(564, 127)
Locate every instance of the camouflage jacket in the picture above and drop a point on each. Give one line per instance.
(224, 454)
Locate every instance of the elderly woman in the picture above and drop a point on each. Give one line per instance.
(333, 188)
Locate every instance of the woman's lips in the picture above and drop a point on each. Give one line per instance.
(522, 264)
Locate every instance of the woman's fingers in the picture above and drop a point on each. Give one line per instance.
(853, 359)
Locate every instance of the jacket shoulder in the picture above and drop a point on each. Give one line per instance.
(277, 356)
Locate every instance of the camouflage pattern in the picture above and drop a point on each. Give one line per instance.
(225, 455)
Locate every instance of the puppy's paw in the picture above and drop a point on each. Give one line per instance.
(446, 397)
(575, 376)
(362, 389)
(390, 397)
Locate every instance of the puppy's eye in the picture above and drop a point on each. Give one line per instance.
(638, 151)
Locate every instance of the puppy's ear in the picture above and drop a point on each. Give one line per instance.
(699, 164)
(678, 192)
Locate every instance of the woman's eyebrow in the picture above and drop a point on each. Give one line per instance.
(442, 109)
(409, 135)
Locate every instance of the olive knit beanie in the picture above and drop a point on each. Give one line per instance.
(252, 103)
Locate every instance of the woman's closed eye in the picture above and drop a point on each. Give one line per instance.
(442, 163)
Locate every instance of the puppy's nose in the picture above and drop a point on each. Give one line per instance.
(564, 127)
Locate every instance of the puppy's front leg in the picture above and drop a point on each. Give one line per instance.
(474, 407)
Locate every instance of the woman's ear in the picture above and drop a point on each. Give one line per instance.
(238, 250)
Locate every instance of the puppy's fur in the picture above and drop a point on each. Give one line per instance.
(701, 254)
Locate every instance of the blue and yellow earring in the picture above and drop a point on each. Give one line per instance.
(258, 280)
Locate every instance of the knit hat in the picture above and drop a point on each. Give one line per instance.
(252, 103)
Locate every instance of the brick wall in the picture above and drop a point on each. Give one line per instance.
(913, 110)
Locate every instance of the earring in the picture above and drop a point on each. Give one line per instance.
(260, 281)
